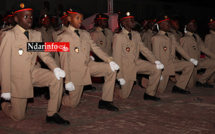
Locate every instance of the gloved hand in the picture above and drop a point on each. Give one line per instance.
(70, 86)
(121, 81)
(59, 73)
(159, 65)
(6, 96)
(195, 62)
(92, 58)
(113, 66)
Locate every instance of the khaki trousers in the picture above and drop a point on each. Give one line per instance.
(186, 67)
(143, 67)
(97, 69)
(209, 65)
(40, 78)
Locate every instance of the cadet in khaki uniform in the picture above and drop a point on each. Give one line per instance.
(79, 66)
(147, 35)
(175, 29)
(210, 41)
(18, 73)
(65, 24)
(126, 47)
(103, 36)
(164, 46)
(193, 44)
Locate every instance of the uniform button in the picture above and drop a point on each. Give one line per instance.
(31, 63)
(31, 52)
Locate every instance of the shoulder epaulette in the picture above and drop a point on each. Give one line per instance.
(61, 32)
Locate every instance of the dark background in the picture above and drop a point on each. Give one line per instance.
(202, 11)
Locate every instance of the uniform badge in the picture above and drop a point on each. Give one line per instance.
(20, 51)
(101, 42)
(76, 49)
(194, 47)
(128, 49)
(128, 14)
(22, 5)
(64, 13)
(164, 48)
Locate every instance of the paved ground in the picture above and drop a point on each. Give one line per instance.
(175, 114)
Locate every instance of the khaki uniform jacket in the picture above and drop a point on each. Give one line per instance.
(75, 63)
(47, 35)
(210, 41)
(103, 41)
(147, 38)
(164, 48)
(16, 69)
(55, 33)
(126, 53)
(177, 34)
(195, 47)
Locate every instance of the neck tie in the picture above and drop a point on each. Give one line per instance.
(103, 31)
(129, 35)
(194, 37)
(77, 33)
(166, 34)
(26, 34)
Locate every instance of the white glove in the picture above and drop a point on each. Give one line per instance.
(6, 96)
(92, 58)
(159, 65)
(70, 86)
(59, 73)
(161, 78)
(121, 81)
(195, 62)
(113, 66)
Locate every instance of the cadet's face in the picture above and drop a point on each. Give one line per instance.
(46, 22)
(103, 23)
(175, 25)
(129, 23)
(165, 26)
(192, 27)
(212, 26)
(75, 20)
(24, 19)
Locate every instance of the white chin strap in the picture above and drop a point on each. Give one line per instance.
(157, 26)
(185, 29)
(121, 25)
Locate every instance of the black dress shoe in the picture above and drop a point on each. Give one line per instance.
(149, 97)
(57, 119)
(89, 87)
(206, 85)
(179, 90)
(107, 105)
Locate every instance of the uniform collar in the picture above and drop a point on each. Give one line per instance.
(21, 28)
(189, 33)
(126, 31)
(211, 31)
(100, 29)
(162, 32)
(72, 28)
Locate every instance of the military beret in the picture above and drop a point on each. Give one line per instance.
(9, 13)
(101, 16)
(21, 6)
(187, 21)
(124, 15)
(163, 18)
(74, 10)
(45, 16)
(211, 21)
(63, 14)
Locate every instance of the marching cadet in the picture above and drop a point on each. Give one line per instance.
(126, 47)
(79, 67)
(147, 35)
(8, 19)
(103, 36)
(164, 46)
(64, 23)
(18, 73)
(210, 41)
(175, 29)
(194, 45)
